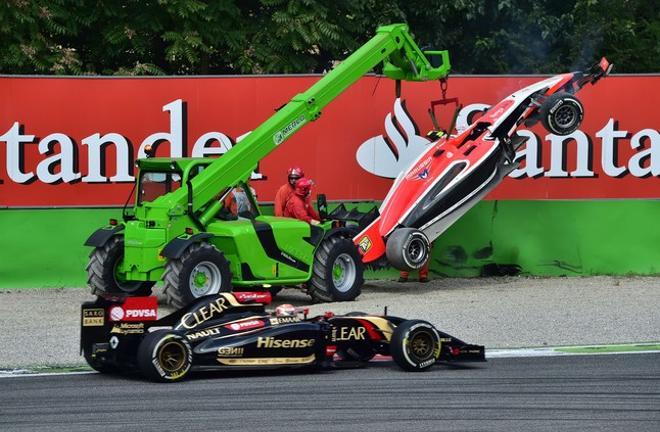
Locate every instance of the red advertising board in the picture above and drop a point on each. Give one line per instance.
(73, 141)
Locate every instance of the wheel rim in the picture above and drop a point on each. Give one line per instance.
(417, 250)
(123, 284)
(205, 279)
(565, 117)
(421, 346)
(172, 356)
(343, 272)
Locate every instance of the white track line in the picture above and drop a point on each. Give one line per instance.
(490, 354)
(25, 373)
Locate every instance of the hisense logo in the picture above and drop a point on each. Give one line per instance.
(271, 342)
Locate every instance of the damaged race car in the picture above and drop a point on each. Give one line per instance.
(456, 172)
(230, 331)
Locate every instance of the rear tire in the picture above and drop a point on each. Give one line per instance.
(407, 249)
(101, 271)
(337, 273)
(202, 270)
(561, 113)
(164, 356)
(415, 345)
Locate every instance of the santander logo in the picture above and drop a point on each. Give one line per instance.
(386, 156)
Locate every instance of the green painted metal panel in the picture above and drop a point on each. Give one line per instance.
(44, 248)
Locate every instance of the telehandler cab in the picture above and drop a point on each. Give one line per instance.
(177, 231)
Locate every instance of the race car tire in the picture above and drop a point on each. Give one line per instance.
(338, 273)
(415, 345)
(200, 271)
(561, 113)
(164, 356)
(407, 249)
(102, 277)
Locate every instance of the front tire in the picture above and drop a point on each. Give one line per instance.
(337, 273)
(561, 113)
(407, 249)
(102, 275)
(164, 356)
(202, 270)
(415, 345)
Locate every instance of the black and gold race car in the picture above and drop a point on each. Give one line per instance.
(234, 331)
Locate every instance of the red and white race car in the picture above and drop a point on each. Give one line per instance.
(456, 172)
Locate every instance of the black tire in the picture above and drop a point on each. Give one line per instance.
(101, 276)
(333, 255)
(407, 249)
(98, 365)
(274, 291)
(164, 356)
(183, 276)
(561, 113)
(415, 345)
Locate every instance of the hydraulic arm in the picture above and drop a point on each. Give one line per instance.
(402, 60)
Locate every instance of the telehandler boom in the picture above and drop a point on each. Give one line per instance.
(178, 231)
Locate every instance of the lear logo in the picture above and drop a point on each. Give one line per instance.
(271, 342)
(204, 313)
(348, 333)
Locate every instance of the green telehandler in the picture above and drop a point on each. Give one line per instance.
(178, 231)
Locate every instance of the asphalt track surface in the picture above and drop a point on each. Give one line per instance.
(572, 393)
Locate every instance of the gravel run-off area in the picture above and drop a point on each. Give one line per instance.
(40, 327)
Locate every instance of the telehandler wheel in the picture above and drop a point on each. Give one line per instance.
(202, 270)
(561, 113)
(337, 274)
(102, 277)
(407, 249)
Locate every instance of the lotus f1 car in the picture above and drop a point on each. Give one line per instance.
(456, 172)
(230, 331)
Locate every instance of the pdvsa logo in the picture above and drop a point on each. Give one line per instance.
(245, 325)
(136, 309)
